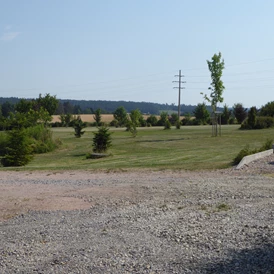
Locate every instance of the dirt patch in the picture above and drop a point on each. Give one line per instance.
(18, 197)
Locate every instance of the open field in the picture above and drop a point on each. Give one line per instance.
(106, 118)
(190, 148)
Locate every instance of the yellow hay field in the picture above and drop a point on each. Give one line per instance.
(106, 118)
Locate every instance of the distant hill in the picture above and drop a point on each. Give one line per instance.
(110, 106)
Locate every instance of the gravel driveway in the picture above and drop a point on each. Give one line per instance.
(138, 221)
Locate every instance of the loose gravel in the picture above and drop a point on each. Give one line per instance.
(176, 222)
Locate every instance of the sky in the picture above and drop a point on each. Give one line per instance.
(131, 50)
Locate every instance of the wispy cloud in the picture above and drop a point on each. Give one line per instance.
(8, 27)
(9, 35)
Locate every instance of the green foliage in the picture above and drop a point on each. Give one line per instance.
(152, 120)
(239, 112)
(267, 109)
(3, 143)
(201, 114)
(187, 120)
(120, 115)
(247, 151)
(7, 108)
(48, 103)
(216, 67)
(167, 125)
(65, 119)
(261, 122)
(98, 116)
(178, 124)
(135, 117)
(18, 151)
(41, 140)
(163, 119)
(101, 140)
(250, 122)
(24, 106)
(226, 115)
(264, 122)
(243, 152)
(223, 207)
(114, 123)
(78, 126)
(134, 122)
(173, 119)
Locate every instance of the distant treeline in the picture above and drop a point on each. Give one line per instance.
(107, 107)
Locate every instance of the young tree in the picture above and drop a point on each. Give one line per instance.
(201, 114)
(24, 106)
(18, 150)
(152, 120)
(98, 116)
(101, 140)
(48, 102)
(267, 110)
(251, 117)
(120, 115)
(78, 126)
(239, 112)
(216, 67)
(163, 118)
(225, 115)
(7, 108)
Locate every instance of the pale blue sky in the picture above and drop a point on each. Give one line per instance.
(131, 50)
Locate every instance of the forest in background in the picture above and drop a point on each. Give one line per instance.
(108, 107)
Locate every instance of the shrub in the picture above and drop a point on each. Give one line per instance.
(178, 124)
(40, 139)
(167, 125)
(18, 150)
(264, 122)
(78, 126)
(114, 123)
(243, 152)
(247, 151)
(101, 140)
(152, 120)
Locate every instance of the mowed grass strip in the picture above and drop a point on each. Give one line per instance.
(190, 148)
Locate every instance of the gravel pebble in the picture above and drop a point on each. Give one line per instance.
(180, 222)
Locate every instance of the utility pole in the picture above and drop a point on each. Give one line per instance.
(179, 88)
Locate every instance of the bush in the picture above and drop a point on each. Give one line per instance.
(114, 123)
(167, 125)
(40, 139)
(261, 122)
(101, 140)
(152, 120)
(243, 152)
(264, 122)
(247, 151)
(18, 150)
(78, 126)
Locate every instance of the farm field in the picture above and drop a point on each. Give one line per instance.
(189, 148)
(106, 118)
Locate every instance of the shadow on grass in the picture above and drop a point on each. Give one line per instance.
(246, 261)
(163, 140)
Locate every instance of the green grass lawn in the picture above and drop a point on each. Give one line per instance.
(190, 148)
